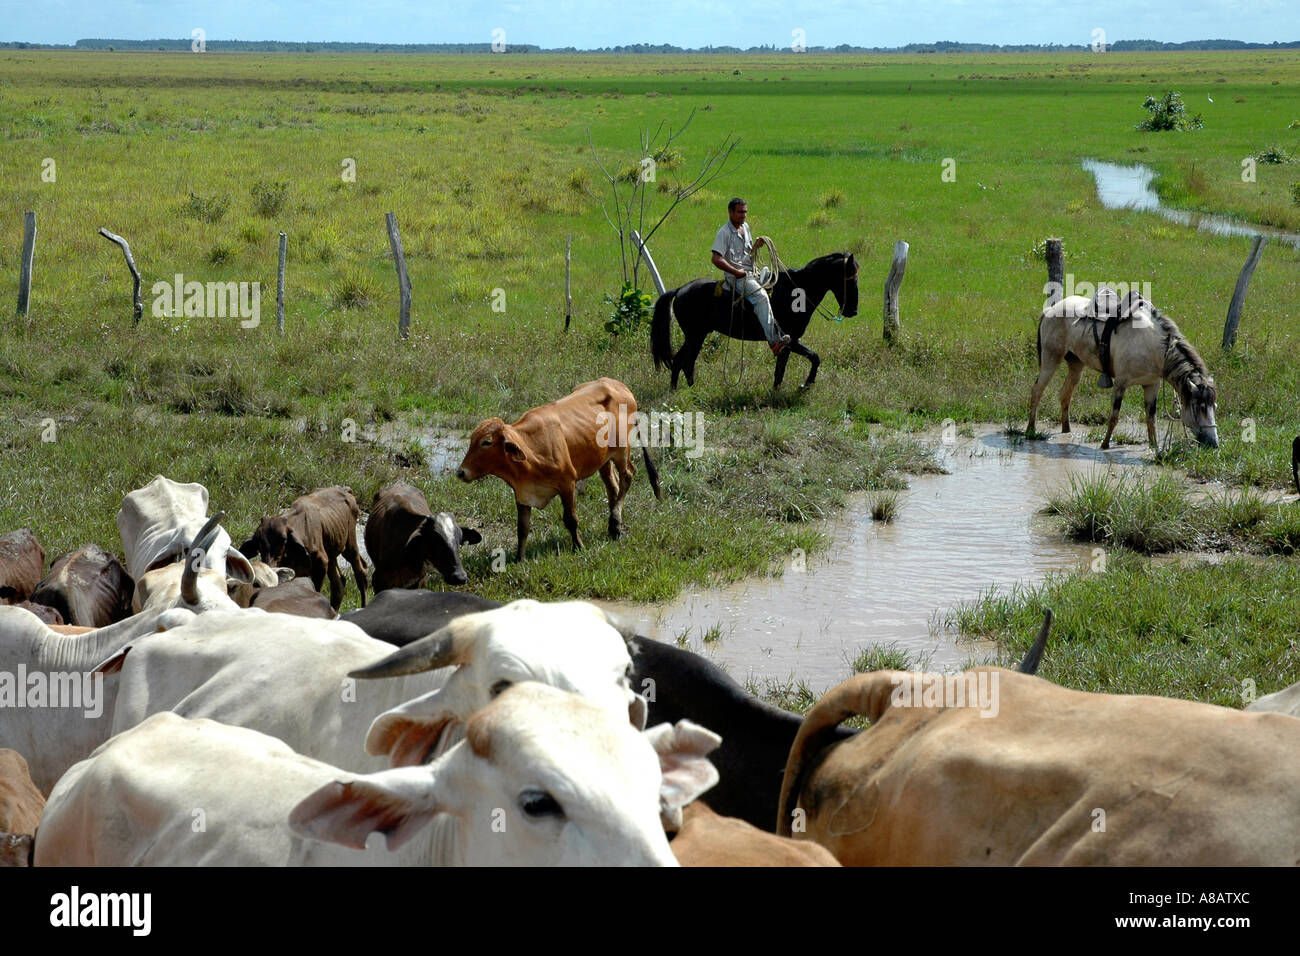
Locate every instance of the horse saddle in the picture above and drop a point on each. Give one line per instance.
(1108, 311)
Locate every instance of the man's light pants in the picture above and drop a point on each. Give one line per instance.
(757, 297)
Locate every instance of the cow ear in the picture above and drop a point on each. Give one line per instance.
(469, 535)
(410, 733)
(285, 575)
(239, 567)
(687, 772)
(417, 537)
(514, 451)
(398, 803)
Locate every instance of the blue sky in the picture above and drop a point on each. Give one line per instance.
(690, 23)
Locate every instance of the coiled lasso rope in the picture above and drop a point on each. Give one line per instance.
(775, 267)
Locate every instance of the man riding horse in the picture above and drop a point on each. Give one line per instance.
(733, 253)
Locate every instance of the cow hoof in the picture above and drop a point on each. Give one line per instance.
(615, 530)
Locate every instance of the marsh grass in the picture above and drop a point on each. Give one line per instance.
(1152, 515)
(1194, 630)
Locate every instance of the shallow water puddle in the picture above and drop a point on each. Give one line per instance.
(954, 536)
(1121, 187)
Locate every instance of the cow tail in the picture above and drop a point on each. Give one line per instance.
(652, 471)
(1040, 343)
(866, 695)
(661, 343)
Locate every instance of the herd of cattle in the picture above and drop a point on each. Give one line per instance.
(200, 703)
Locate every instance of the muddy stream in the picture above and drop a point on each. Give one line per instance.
(953, 537)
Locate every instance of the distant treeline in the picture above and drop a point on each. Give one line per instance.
(945, 46)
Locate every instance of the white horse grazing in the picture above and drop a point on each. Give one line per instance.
(1144, 348)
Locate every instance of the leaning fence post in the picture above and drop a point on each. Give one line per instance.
(568, 299)
(279, 285)
(404, 283)
(1055, 271)
(130, 264)
(896, 270)
(25, 268)
(1239, 293)
(650, 263)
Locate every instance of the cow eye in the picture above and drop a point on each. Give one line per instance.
(538, 804)
(486, 442)
(498, 687)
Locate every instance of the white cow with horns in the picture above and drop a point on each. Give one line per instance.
(542, 778)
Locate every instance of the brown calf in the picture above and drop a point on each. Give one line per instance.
(553, 447)
(22, 562)
(308, 537)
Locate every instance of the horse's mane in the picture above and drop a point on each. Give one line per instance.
(1181, 359)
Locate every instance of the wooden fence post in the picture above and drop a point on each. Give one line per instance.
(1239, 293)
(1055, 271)
(279, 285)
(25, 268)
(895, 279)
(568, 263)
(650, 263)
(404, 283)
(138, 308)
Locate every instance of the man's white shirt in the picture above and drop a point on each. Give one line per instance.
(735, 246)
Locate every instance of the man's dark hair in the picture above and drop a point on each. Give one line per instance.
(736, 202)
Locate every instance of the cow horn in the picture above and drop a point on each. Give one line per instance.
(1035, 654)
(865, 694)
(194, 557)
(443, 648)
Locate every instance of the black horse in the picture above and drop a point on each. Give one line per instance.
(796, 295)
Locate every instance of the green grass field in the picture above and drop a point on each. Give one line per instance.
(200, 160)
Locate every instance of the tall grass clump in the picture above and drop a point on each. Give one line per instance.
(1127, 511)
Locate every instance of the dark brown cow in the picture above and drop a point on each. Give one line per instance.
(22, 562)
(20, 809)
(309, 536)
(89, 587)
(553, 447)
(404, 537)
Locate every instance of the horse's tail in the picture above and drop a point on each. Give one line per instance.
(1295, 463)
(661, 341)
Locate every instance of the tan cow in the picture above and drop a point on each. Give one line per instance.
(20, 809)
(553, 447)
(1029, 773)
(707, 839)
